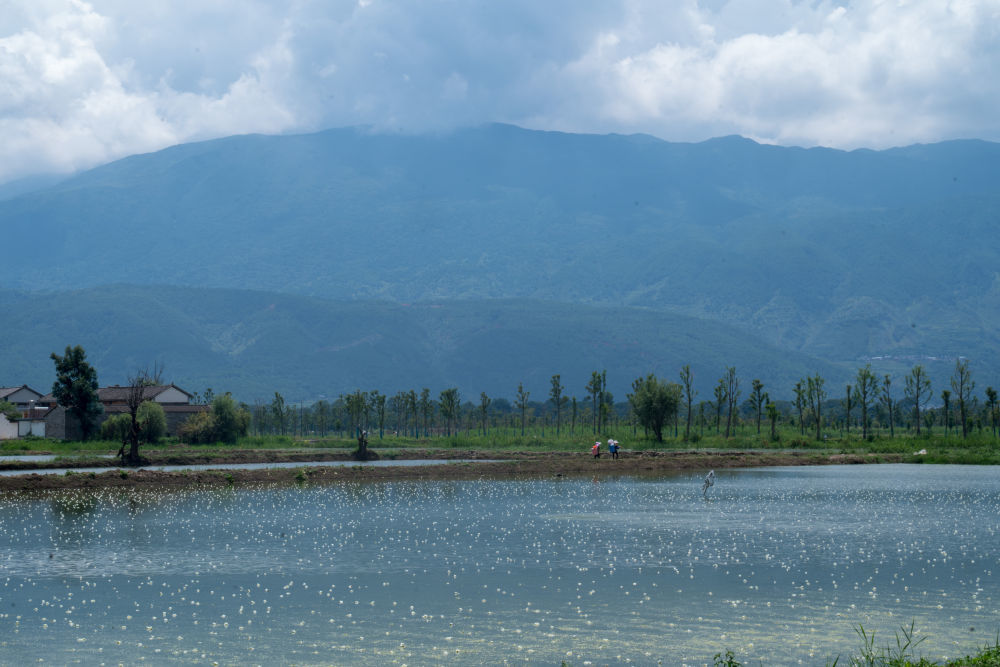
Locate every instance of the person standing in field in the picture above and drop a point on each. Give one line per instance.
(596, 449)
(613, 448)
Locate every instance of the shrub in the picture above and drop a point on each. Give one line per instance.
(231, 422)
(115, 428)
(152, 420)
(224, 423)
(197, 429)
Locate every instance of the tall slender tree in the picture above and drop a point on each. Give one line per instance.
(688, 392)
(865, 393)
(449, 404)
(521, 402)
(594, 389)
(558, 400)
(720, 400)
(848, 404)
(800, 405)
(772, 416)
(963, 384)
(427, 408)
(918, 389)
(815, 394)
(885, 395)
(991, 402)
(732, 397)
(279, 412)
(411, 407)
(135, 394)
(376, 403)
(757, 400)
(946, 400)
(484, 410)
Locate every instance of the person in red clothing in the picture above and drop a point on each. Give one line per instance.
(596, 449)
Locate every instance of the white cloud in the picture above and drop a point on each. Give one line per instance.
(85, 83)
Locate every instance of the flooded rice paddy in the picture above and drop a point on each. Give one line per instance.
(779, 564)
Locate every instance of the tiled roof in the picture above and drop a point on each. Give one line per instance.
(7, 391)
(167, 407)
(116, 393)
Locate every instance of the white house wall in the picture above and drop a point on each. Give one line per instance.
(27, 427)
(8, 429)
(171, 395)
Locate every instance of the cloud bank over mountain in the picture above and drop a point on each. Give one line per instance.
(87, 82)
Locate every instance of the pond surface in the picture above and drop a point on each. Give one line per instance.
(778, 565)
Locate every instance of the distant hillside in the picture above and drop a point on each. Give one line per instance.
(255, 343)
(842, 255)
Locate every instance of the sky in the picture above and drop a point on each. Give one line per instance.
(84, 83)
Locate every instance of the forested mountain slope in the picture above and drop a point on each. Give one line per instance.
(256, 343)
(844, 255)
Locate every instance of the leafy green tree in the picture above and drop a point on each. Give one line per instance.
(918, 389)
(963, 384)
(865, 392)
(230, 421)
(75, 388)
(687, 380)
(654, 403)
(521, 403)
(9, 410)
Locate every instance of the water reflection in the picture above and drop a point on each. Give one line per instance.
(778, 566)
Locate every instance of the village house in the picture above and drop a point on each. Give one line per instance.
(44, 417)
(27, 402)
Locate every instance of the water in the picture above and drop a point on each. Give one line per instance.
(778, 565)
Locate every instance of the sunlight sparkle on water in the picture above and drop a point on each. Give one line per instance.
(778, 564)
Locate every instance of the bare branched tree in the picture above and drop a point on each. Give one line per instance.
(135, 395)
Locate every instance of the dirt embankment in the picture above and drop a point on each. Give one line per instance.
(476, 465)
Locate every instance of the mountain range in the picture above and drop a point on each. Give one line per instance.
(825, 258)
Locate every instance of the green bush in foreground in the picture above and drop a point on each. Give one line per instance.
(900, 655)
